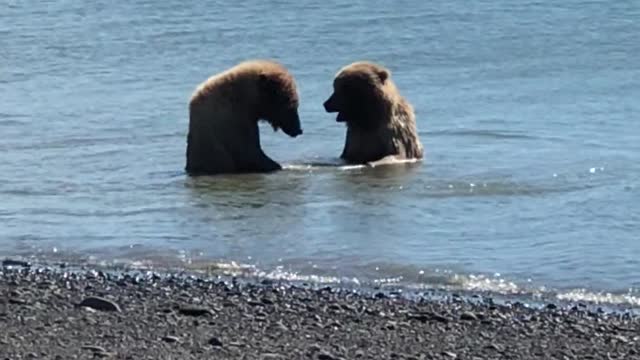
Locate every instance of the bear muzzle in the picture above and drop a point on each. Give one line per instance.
(330, 105)
(293, 133)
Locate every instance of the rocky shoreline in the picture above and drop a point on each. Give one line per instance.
(57, 314)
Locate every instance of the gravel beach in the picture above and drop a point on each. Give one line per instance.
(47, 314)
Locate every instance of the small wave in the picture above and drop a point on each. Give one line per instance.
(394, 277)
(10, 122)
(419, 280)
(10, 119)
(122, 213)
(449, 189)
(495, 287)
(73, 142)
(484, 133)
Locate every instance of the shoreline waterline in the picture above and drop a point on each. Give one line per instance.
(497, 291)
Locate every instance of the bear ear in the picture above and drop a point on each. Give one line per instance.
(383, 74)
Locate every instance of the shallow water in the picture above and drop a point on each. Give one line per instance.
(528, 113)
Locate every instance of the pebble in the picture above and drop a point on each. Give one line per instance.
(214, 341)
(195, 311)
(282, 326)
(17, 301)
(326, 356)
(469, 316)
(495, 347)
(267, 301)
(94, 348)
(439, 318)
(11, 262)
(170, 339)
(449, 354)
(270, 356)
(99, 303)
(621, 338)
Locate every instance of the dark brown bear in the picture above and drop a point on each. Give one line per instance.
(223, 118)
(381, 125)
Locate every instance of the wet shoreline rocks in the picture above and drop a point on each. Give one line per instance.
(79, 315)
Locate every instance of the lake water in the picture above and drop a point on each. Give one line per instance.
(528, 111)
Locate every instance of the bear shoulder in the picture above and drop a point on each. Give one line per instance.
(245, 72)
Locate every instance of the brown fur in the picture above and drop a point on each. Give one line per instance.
(380, 122)
(223, 118)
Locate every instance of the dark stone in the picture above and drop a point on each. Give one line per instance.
(194, 311)
(391, 325)
(419, 317)
(495, 347)
(267, 301)
(214, 341)
(424, 317)
(19, 263)
(326, 356)
(469, 316)
(17, 301)
(100, 304)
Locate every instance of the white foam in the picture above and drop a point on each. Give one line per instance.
(306, 167)
(442, 279)
(599, 297)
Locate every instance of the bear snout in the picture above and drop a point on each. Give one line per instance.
(293, 132)
(330, 104)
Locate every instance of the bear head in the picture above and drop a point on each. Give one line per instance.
(278, 102)
(360, 96)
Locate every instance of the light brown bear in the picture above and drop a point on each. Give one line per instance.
(223, 118)
(381, 124)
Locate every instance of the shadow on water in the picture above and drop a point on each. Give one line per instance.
(245, 190)
(295, 184)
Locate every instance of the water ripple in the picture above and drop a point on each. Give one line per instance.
(484, 133)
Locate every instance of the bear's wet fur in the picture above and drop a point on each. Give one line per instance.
(381, 124)
(224, 111)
